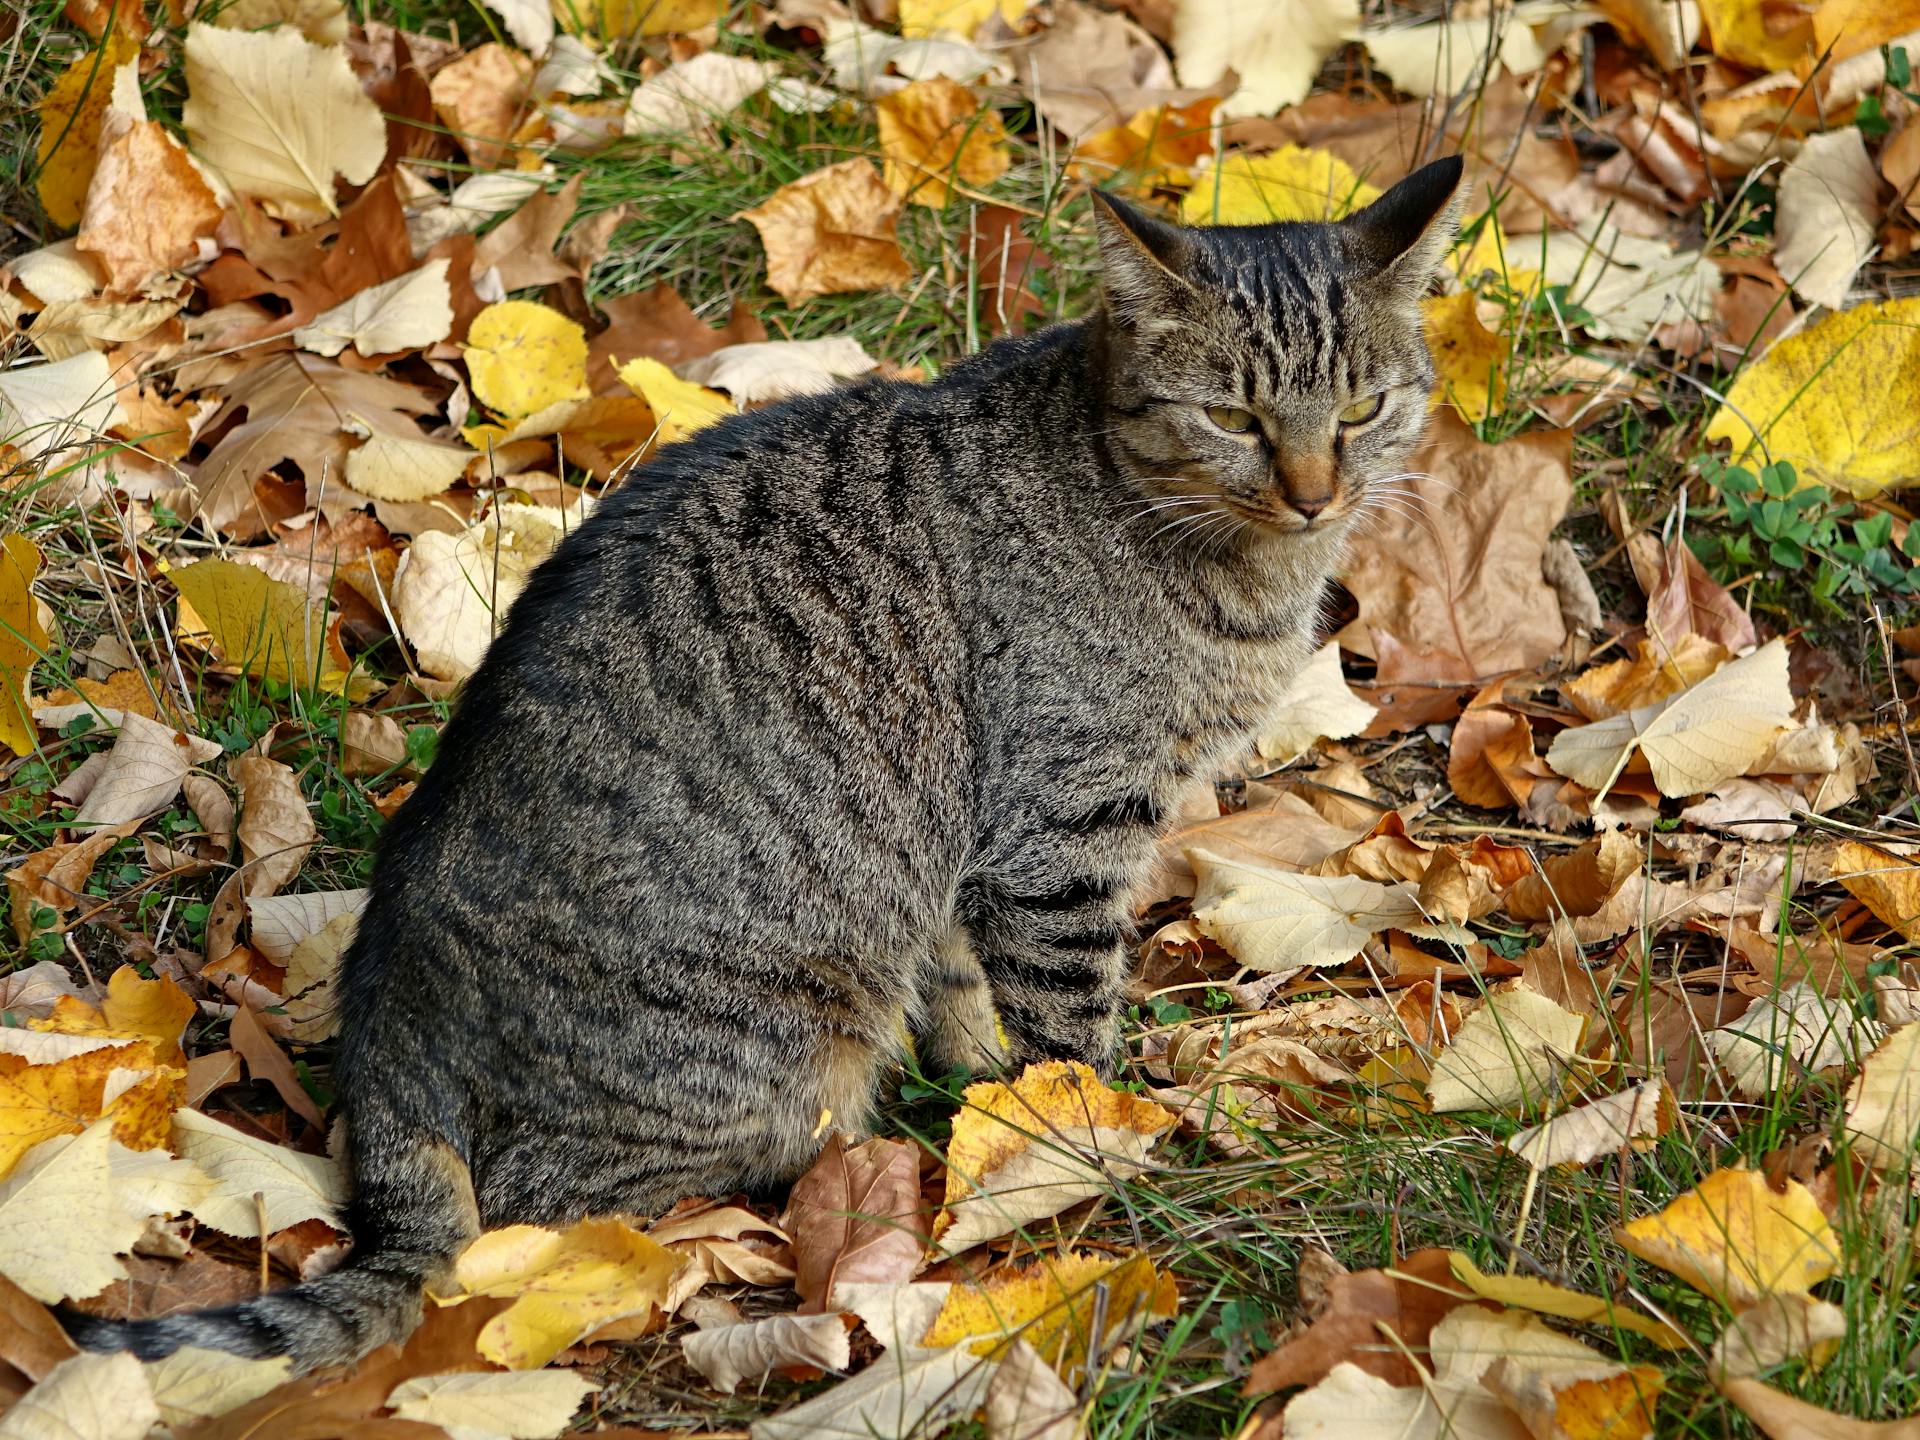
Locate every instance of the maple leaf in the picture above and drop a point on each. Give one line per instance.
(1735, 1238)
(1025, 1151)
(829, 232)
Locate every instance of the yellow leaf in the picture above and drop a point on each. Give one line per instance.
(388, 467)
(38, 1102)
(934, 133)
(1471, 359)
(277, 117)
(1019, 1152)
(1848, 27)
(101, 1397)
(1734, 1238)
(22, 641)
(1512, 1053)
(679, 406)
(1834, 399)
(523, 357)
(135, 1009)
(1317, 706)
(920, 18)
(830, 232)
(70, 116)
(1757, 33)
(1155, 149)
(617, 19)
(1883, 1106)
(1291, 183)
(61, 1224)
(262, 625)
(1543, 1297)
(565, 1284)
(1887, 884)
(1692, 741)
(1054, 1305)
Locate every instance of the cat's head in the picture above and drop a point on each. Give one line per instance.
(1273, 373)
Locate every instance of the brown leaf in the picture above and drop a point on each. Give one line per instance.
(829, 232)
(276, 829)
(147, 207)
(1686, 600)
(1091, 69)
(1277, 828)
(856, 1216)
(1576, 884)
(57, 876)
(1364, 1311)
(521, 246)
(482, 99)
(267, 1061)
(1007, 261)
(1491, 762)
(1412, 688)
(1781, 1417)
(309, 1249)
(1462, 577)
(659, 325)
(31, 1340)
(371, 744)
(166, 1287)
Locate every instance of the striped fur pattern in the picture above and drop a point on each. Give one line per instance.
(865, 708)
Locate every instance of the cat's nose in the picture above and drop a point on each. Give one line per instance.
(1310, 505)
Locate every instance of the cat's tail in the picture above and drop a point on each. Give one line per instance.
(416, 1205)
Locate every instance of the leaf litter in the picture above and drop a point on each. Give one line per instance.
(1564, 854)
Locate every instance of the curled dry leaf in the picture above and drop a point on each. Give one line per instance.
(409, 312)
(1786, 1034)
(758, 374)
(935, 139)
(1887, 884)
(830, 232)
(855, 1217)
(1627, 1120)
(1692, 741)
(56, 877)
(1777, 1329)
(694, 93)
(1558, 1386)
(1883, 1104)
(1735, 1238)
(482, 99)
(728, 1354)
(278, 117)
(1027, 1151)
(1378, 1320)
(143, 773)
(1828, 210)
(276, 829)
(564, 1285)
(1577, 884)
(1317, 706)
(1027, 1400)
(1511, 1053)
(1833, 399)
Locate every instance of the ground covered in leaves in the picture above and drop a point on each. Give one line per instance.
(1525, 1035)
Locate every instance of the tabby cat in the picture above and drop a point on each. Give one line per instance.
(863, 709)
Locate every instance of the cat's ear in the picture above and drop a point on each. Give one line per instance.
(1141, 258)
(1404, 233)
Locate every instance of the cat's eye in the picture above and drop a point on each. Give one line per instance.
(1362, 411)
(1231, 418)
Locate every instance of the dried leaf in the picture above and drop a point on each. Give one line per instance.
(1577, 884)
(1470, 359)
(1543, 1297)
(482, 100)
(322, 21)
(90, 1397)
(1604, 1127)
(1821, 399)
(1777, 1329)
(1274, 46)
(292, 1186)
(532, 1405)
(278, 117)
(61, 1224)
(1291, 183)
(1692, 741)
(915, 1391)
(71, 113)
(388, 467)
(1887, 884)
(1629, 286)
(22, 639)
(829, 232)
(935, 138)
(1510, 1054)
(49, 410)
(774, 370)
(410, 312)
(1827, 210)
(564, 1285)
(1781, 1417)
(1069, 1307)
(1317, 706)
(276, 829)
(523, 357)
(728, 1354)
(1379, 1320)
(694, 93)
(1735, 1238)
(855, 1217)
(679, 407)
(194, 1384)
(1282, 923)
(1785, 1035)
(1027, 1151)
(135, 1008)
(1883, 1104)
(147, 207)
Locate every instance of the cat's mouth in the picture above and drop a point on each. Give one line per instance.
(1284, 519)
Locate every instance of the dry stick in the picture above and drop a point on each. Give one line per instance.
(260, 1214)
(1899, 710)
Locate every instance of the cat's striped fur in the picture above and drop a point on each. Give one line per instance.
(865, 706)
